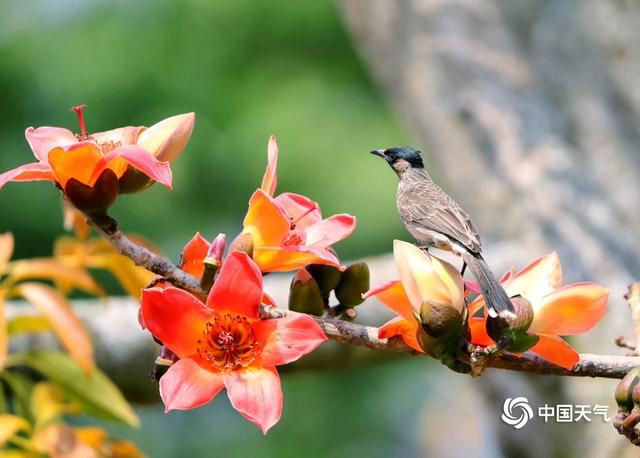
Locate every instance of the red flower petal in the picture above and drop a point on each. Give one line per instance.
(300, 209)
(392, 295)
(331, 230)
(44, 139)
(35, 171)
(407, 329)
(140, 159)
(265, 220)
(238, 287)
(573, 309)
(270, 179)
(193, 255)
(256, 394)
(283, 259)
(175, 317)
(186, 385)
(478, 330)
(556, 350)
(289, 338)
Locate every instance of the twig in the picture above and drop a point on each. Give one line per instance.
(607, 366)
(633, 299)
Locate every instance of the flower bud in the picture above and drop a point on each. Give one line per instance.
(213, 261)
(304, 295)
(327, 277)
(626, 393)
(440, 320)
(133, 180)
(353, 284)
(167, 138)
(243, 242)
(514, 328)
(96, 199)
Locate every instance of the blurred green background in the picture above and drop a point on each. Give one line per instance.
(248, 69)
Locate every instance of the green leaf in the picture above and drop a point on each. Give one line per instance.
(95, 393)
(26, 324)
(21, 387)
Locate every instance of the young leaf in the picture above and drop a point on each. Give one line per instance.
(26, 324)
(67, 326)
(6, 249)
(95, 393)
(67, 277)
(4, 336)
(48, 404)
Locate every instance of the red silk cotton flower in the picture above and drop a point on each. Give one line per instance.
(89, 166)
(287, 231)
(557, 310)
(223, 343)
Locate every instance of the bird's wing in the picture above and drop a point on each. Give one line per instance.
(426, 205)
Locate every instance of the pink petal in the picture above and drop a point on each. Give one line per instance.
(167, 139)
(257, 395)
(36, 171)
(270, 179)
(472, 286)
(331, 230)
(238, 287)
(121, 136)
(573, 309)
(139, 159)
(300, 209)
(284, 259)
(556, 350)
(44, 139)
(537, 279)
(175, 317)
(186, 385)
(288, 339)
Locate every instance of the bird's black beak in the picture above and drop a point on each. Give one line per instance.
(379, 152)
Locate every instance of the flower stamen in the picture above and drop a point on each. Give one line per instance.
(295, 221)
(228, 343)
(83, 131)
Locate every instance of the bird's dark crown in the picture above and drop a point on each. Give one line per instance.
(393, 155)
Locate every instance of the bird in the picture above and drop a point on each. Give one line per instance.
(434, 219)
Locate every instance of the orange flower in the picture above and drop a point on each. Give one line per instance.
(81, 161)
(558, 310)
(223, 344)
(288, 231)
(423, 279)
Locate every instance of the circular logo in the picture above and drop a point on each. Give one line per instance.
(516, 412)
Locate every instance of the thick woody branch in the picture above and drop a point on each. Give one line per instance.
(607, 366)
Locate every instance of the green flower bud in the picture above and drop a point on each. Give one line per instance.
(354, 283)
(626, 394)
(304, 295)
(440, 320)
(514, 328)
(327, 277)
(243, 242)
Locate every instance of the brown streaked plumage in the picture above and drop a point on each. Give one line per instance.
(433, 218)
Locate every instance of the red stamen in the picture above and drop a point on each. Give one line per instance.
(83, 131)
(295, 221)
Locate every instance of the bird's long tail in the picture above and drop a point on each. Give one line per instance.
(498, 303)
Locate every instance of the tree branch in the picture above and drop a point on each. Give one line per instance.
(606, 366)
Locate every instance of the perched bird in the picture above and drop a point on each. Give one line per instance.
(436, 220)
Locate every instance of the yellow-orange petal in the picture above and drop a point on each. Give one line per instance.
(284, 259)
(426, 278)
(537, 279)
(77, 161)
(407, 329)
(392, 295)
(265, 220)
(573, 309)
(270, 179)
(556, 350)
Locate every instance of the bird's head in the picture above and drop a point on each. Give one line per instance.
(401, 158)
